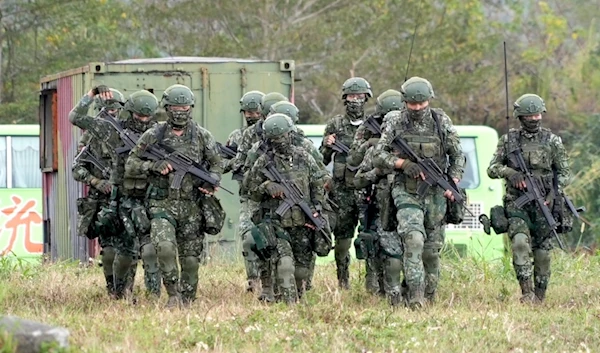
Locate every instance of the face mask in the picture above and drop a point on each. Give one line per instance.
(140, 126)
(281, 144)
(179, 118)
(418, 114)
(531, 125)
(355, 108)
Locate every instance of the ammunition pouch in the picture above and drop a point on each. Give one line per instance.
(455, 212)
(365, 245)
(498, 220)
(563, 216)
(134, 216)
(212, 213)
(108, 221)
(87, 208)
(265, 236)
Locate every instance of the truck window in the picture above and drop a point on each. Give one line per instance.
(3, 166)
(470, 178)
(26, 162)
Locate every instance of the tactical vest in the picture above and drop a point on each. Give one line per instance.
(293, 167)
(101, 151)
(344, 133)
(537, 153)
(132, 186)
(189, 145)
(427, 142)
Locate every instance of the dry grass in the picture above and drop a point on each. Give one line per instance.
(477, 310)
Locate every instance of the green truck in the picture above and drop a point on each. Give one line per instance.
(217, 83)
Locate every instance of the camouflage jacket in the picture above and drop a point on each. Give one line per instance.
(102, 130)
(196, 143)
(341, 126)
(297, 166)
(250, 136)
(438, 141)
(234, 139)
(84, 172)
(542, 151)
(362, 136)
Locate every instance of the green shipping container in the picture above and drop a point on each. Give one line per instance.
(217, 83)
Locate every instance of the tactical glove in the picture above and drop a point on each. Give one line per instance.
(411, 169)
(515, 178)
(101, 185)
(100, 89)
(373, 141)
(159, 166)
(275, 189)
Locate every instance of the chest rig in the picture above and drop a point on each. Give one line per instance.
(293, 167)
(537, 153)
(186, 144)
(426, 139)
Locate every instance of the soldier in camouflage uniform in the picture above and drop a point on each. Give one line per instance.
(355, 93)
(299, 140)
(125, 245)
(178, 221)
(373, 188)
(251, 109)
(421, 220)
(250, 136)
(97, 197)
(142, 105)
(528, 230)
(287, 241)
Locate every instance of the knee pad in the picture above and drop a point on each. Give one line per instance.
(247, 244)
(413, 246)
(431, 259)
(520, 248)
(285, 272)
(108, 259)
(393, 268)
(342, 246)
(541, 262)
(150, 258)
(189, 266)
(167, 255)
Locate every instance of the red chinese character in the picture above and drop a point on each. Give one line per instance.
(22, 216)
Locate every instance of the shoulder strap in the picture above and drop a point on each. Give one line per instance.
(439, 131)
(161, 133)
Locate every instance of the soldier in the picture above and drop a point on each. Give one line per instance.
(176, 214)
(286, 241)
(421, 219)
(142, 105)
(543, 152)
(375, 208)
(102, 130)
(250, 136)
(341, 129)
(251, 109)
(95, 176)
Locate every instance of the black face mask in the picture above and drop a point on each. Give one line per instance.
(531, 126)
(281, 144)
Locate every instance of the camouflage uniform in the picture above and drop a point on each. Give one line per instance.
(528, 230)
(89, 206)
(125, 245)
(177, 217)
(292, 242)
(420, 220)
(343, 192)
(375, 206)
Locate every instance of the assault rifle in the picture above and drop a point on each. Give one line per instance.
(87, 157)
(373, 125)
(181, 163)
(533, 192)
(294, 196)
(128, 137)
(433, 174)
(228, 152)
(340, 147)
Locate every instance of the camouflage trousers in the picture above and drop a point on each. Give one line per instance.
(421, 228)
(247, 209)
(347, 220)
(529, 234)
(177, 235)
(292, 263)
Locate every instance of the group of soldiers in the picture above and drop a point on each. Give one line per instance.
(395, 175)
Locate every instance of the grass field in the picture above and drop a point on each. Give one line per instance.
(478, 310)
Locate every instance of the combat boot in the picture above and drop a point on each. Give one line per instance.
(415, 297)
(267, 294)
(173, 302)
(120, 288)
(252, 285)
(343, 273)
(110, 285)
(528, 295)
(395, 297)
